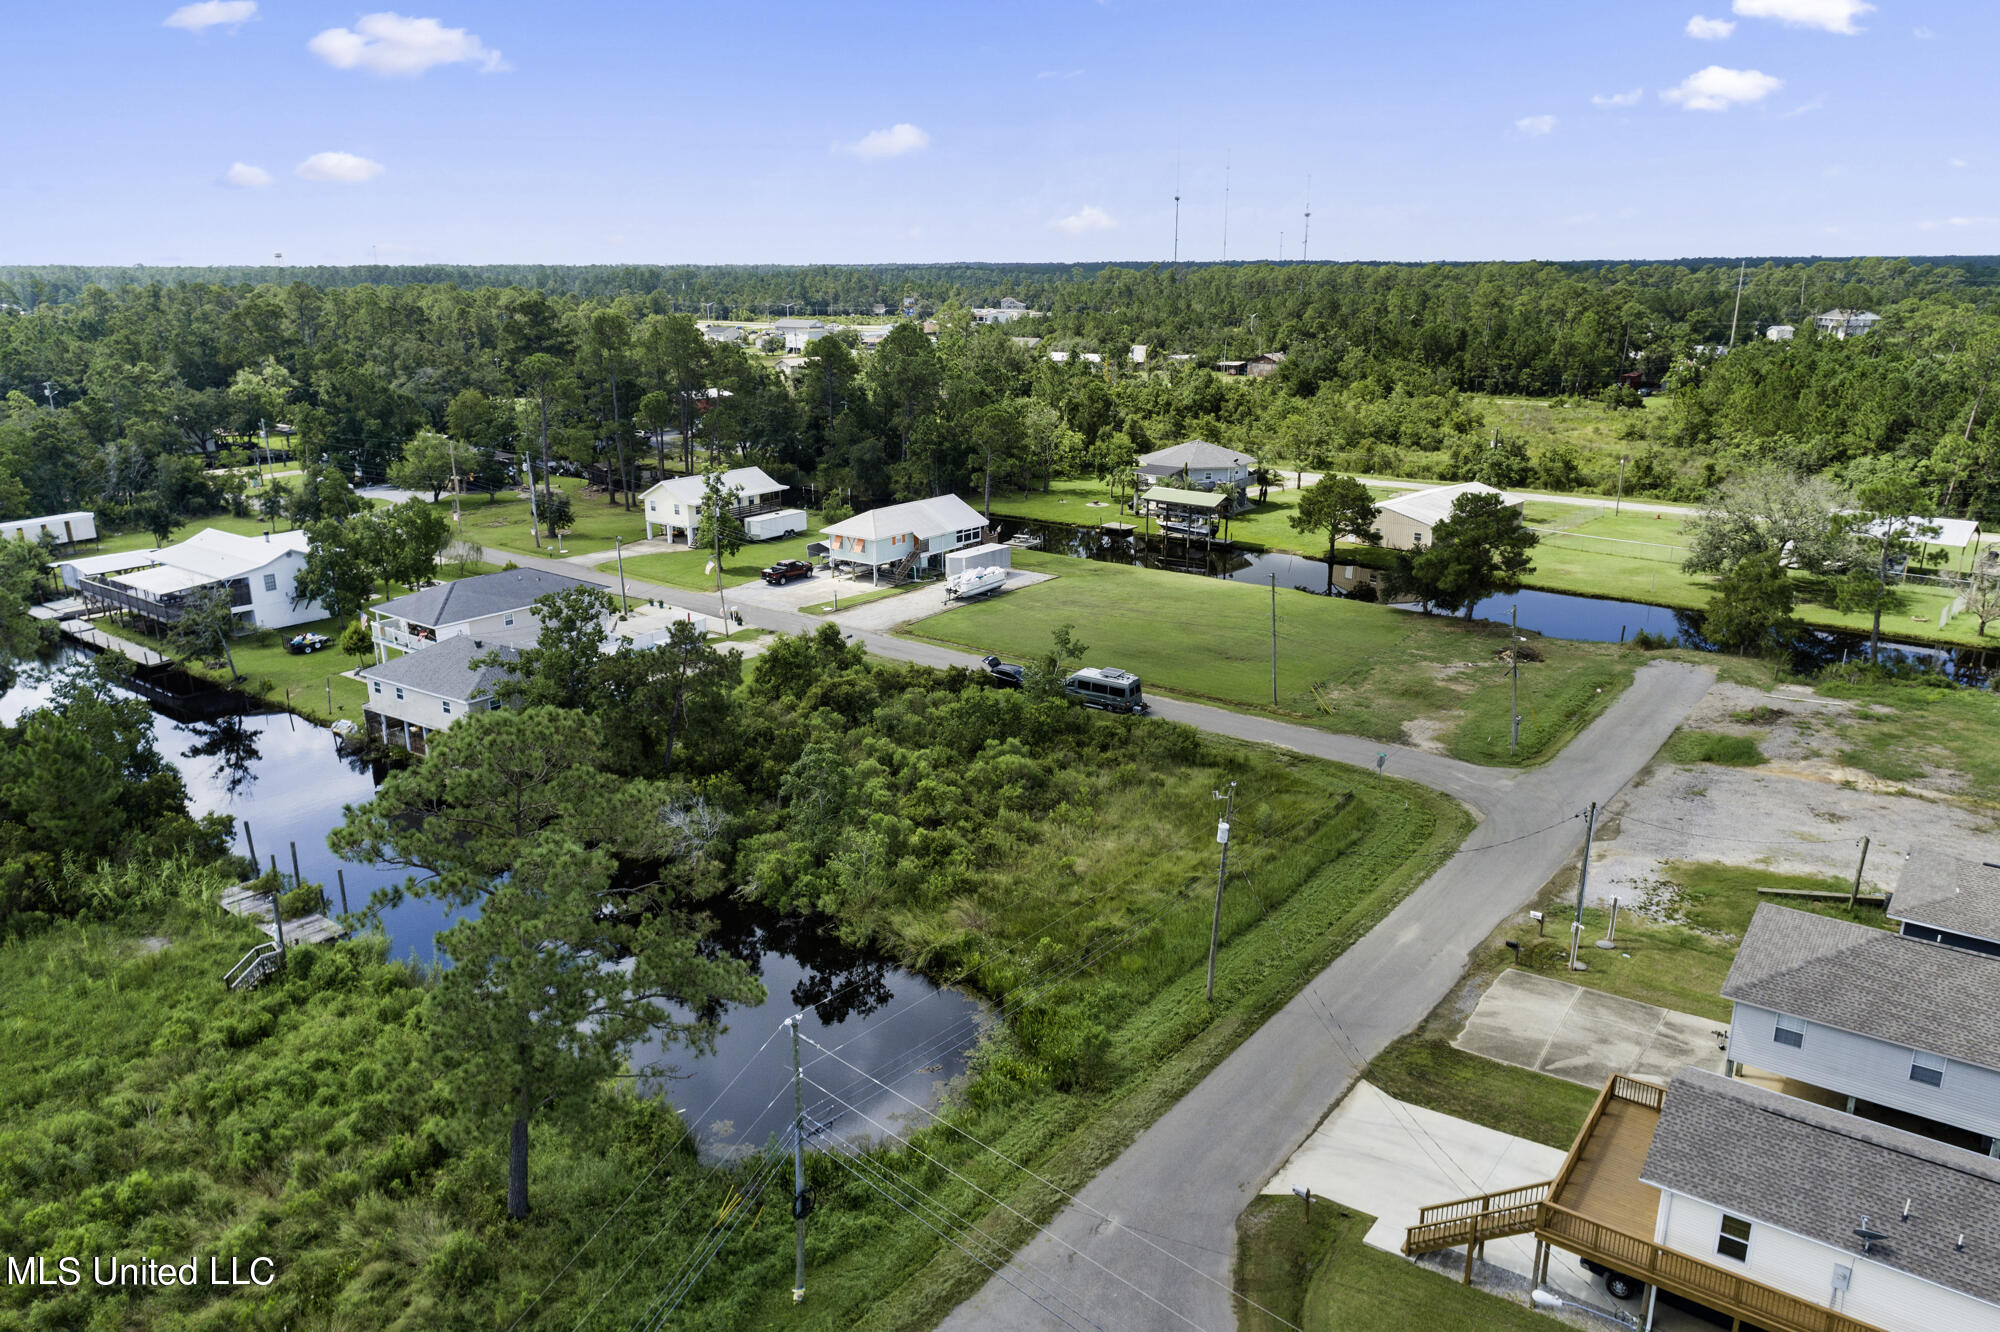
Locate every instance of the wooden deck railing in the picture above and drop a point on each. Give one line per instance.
(1718, 1287)
(1476, 1220)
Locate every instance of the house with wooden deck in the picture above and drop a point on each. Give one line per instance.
(1777, 1213)
(1890, 1027)
(1946, 900)
(1194, 464)
(259, 574)
(900, 539)
(674, 506)
(419, 693)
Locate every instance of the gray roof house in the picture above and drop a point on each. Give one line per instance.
(1947, 900)
(415, 694)
(1877, 1018)
(478, 605)
(1200, 465)
(1799, 1178)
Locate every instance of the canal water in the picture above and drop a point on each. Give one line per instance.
(286, 778)
(1551, 614)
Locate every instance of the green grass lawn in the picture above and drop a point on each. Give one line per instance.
(688, 569)
(504, 523)
(1908, 732)
(124, 541)
(1695, 746)
(1425, 1068)
(1679, 962)
(1088, 503)
(1323, 1277)
(1344, 665)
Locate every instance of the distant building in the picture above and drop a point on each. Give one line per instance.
(1407, 522)
(1137, 355)
(674, 505)
(259, 573)
(1006, 312)
(1846, 323)
(63, 529)
(722, 332)
(799, 333)
(1196, 464)
(1259, 366)
(1780, 332)
(419, 693)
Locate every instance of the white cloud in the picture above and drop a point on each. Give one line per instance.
(1805, 108)
(1618, 99)
(1933, 225)
(1087, 218)
(1830, 15)
(1955, 162)
(389, 43)
(1717, 89)
(1922, 34)
(1059, 74)
(212, 14)
(1535, 126)
(1708, 29)
(243, 176)
(892, 142)
(343, 168)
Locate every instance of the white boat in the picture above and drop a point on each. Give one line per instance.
(1188, 527)
(976, 582)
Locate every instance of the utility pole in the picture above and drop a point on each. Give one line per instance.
(534, 516)
(1514, 653)
(264, 454)
(618, 543)
(1619, 503)
(1582, 878)
(801, 1204)
(1177, 210)
(1854, 897)
(1739, 302)
(1225, 208)
(451, 448)
(1274, 640)
(1222, 875)
(1305, 245)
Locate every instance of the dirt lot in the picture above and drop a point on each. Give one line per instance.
(1801, 812)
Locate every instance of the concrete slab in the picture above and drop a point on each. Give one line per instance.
(1584, 1035)
(1390, 1159)
(889, 612)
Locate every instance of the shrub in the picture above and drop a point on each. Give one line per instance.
(1735, 751)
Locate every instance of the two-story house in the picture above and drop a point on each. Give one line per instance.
(1877, 1021)
(1947, 900)
(485, 605)
(674, 506)
(421, 692)
(913, 535)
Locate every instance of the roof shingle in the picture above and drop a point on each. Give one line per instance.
(1946, 893)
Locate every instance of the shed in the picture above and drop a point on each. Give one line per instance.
(991, 555)
(1407, 521)
(65, 529)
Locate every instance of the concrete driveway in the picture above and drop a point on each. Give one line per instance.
(1585, 1035)
(887, 613)
(1389, 1159)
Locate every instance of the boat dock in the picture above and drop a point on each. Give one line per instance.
(316, 928)
(68, 615)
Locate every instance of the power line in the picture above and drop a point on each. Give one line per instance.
(909, 1142)
(1073, 1199)
(687, 1275)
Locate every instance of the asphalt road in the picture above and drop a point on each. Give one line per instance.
(1163, 1215)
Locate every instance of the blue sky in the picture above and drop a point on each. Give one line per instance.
(498, 131)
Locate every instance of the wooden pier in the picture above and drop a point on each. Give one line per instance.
(83, 631)
(316, 928)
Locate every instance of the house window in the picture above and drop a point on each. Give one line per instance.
(447, 707)
(270, 582)
(510, 618)
(1791, 1031)
(1927, 1069)
(399, 691)
(968, 536)
(378, 686)
(1733, 1240)
(493, 705)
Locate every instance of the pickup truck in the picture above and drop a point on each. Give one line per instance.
(784, 571)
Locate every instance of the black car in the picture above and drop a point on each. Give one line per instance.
(1005, 673)
(784, 571)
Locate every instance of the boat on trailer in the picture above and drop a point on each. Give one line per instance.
(975, 583)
